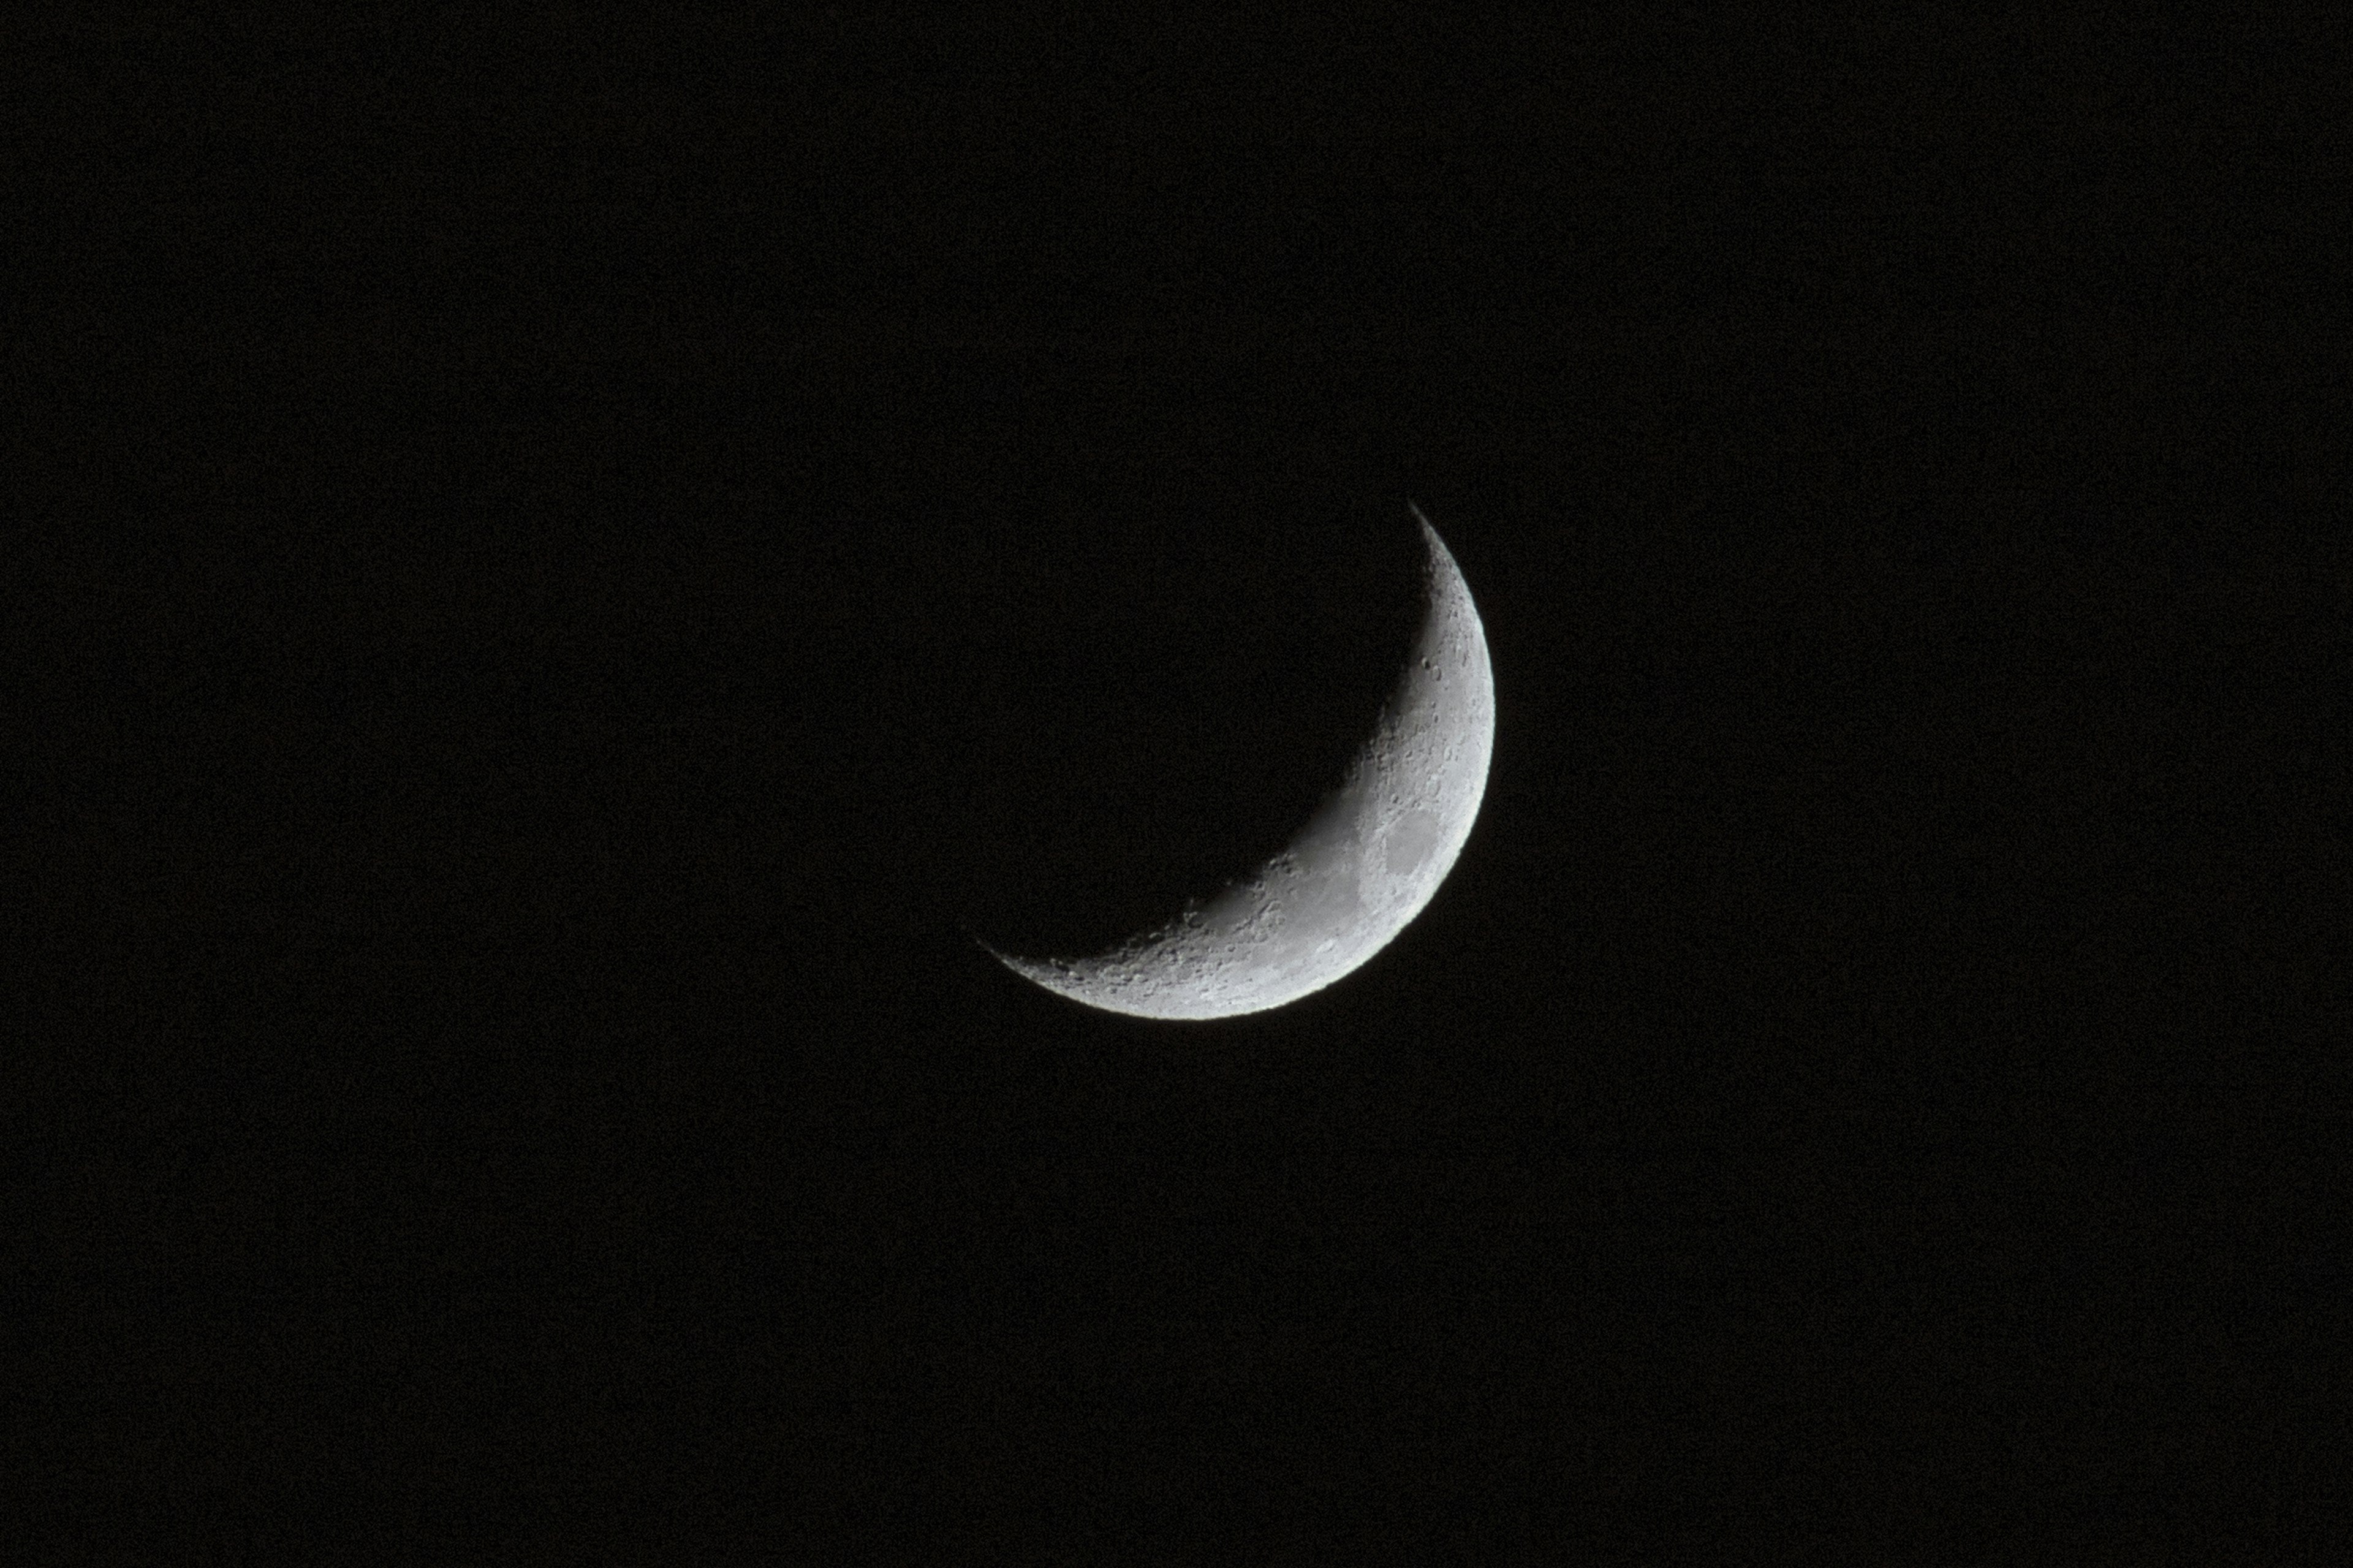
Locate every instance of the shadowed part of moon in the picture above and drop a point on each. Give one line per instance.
(1363, 866)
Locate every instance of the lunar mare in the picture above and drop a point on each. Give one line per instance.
(1366, 862)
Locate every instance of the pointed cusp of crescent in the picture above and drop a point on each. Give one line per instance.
(1366, 862)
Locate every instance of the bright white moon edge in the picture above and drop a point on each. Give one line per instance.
(1366, 864)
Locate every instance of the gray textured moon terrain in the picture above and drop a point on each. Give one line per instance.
(1364, 865)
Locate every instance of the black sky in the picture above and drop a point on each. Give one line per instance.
(576, 562)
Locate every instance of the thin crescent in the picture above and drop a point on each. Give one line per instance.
(1364, 865)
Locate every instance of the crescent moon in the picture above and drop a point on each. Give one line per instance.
(1364, 865)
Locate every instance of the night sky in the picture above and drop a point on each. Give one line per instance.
(575, 570)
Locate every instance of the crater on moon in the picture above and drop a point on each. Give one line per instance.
(1410, 842)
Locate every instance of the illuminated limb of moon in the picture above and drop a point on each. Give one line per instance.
(1365, 864)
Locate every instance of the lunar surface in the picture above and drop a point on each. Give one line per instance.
(1364, 865)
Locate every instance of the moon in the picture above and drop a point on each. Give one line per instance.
(1365, 864)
